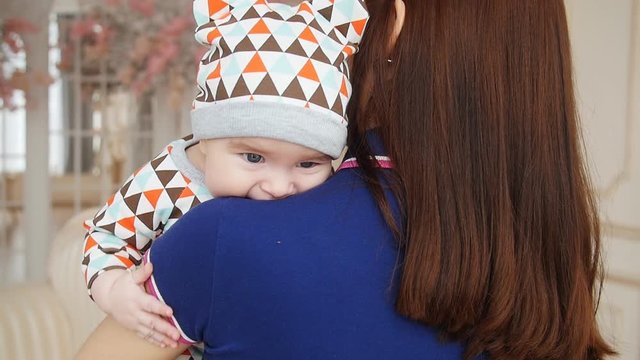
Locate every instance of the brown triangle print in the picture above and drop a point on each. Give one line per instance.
(221, 92)
(99, 217)
(232, 19)
(132, 202)
(344, 28)
(209, 24)
(339, 60)
(156, 162)
(272, 15)
(145, 247)
(251, 14)
(224, 47)
(165, 176)
(206, 95)
(296, 49)
(319, 99)
(337, 106)
(110, 250)
(147, 220)
(326, 12)
(314, 24)
(174, 194)
(202, 93)
(294, 90)
(125, 188)
(297, 18)
(110, 228)
(245, 45)
(211, 57)
(266, 87)
(270, 45)
(176, 213)
(333, 35)
(241, 88)
(320, 56)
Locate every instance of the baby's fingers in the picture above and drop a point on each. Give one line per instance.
(155, 338)
(154, 306)
(153, 328)
(141, 274)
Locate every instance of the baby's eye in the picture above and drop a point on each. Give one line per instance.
(307, 164)
(253, 158)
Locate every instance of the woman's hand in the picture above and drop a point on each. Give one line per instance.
(121, 294)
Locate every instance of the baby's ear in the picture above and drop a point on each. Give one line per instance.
(348, 17)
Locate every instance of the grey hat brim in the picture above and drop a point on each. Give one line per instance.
(308, 127)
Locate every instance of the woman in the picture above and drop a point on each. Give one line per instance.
(490, 236)
(502, 245)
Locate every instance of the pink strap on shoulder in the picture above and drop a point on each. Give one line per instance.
(383, 162)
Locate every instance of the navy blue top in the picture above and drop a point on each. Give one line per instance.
(307, 277)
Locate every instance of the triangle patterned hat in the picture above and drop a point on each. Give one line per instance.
(275, 70)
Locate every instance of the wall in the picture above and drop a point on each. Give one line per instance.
(606, 45)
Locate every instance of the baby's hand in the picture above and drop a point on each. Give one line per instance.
(121, 294)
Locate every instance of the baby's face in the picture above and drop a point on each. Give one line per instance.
(261, 169)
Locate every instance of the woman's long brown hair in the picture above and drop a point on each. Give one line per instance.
(501, 244)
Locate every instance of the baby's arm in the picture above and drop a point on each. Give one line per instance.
(116, 239)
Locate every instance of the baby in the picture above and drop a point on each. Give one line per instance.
(267, 121)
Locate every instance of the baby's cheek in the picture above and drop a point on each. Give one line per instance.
(215, 186)
(315, 180)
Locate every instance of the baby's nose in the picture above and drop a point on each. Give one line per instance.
(279, 187)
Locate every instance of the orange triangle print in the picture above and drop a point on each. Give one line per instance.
(110, 201)
(309, 72)
(308, 35)
(213, 35)
(215, 73)
(261, 2)
(125, 261)
(153, 196)
(255, 65)
(305, 7)
(216, 5)
(186, 193)
(343, 88)
(127, 223)
(260, 28)
(89, 244)
(348, 50)
(358, 26)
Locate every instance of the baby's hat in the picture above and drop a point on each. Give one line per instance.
(276, 71)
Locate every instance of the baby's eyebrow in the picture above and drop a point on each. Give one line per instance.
(241, 144)
(317, 157)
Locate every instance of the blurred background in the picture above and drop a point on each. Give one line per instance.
(83, 104)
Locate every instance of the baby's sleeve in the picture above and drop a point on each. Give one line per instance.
(133, 217)
(183, 269)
